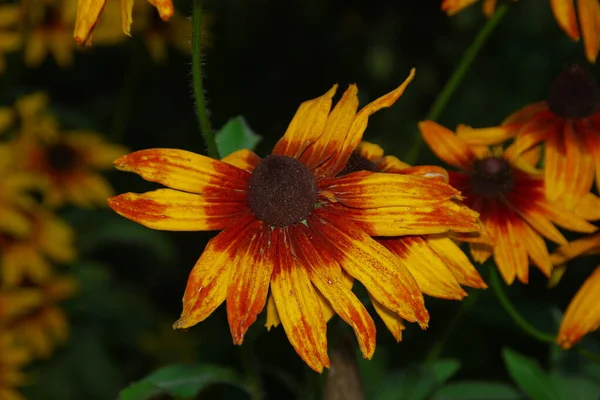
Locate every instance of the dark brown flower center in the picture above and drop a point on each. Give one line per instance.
(356, 163)
(574, 94)
(491, 177)
(282, 191)
(62, 157)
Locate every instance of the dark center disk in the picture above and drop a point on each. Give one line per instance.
(61, 157)
(282, 191)
(357, 163)
(492, 177)
(574, 94)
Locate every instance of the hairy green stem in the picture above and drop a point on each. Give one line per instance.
(510, 309)
(201, 112)
(457, 76)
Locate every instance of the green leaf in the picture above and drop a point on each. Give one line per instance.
(180, 381)
(528, 375)
(418, 384)
(236, 135)
(574, 387)
(477, 391)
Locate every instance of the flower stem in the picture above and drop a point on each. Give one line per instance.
(201, 111)
(510, 309)
(457, 76)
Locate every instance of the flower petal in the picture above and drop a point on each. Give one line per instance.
(207, 284)
(564, 13)
(372, 190)
(391, 164)
(452, 7)
(536, 248)
(481, 252)
(344, 146)
(249, 282)
(372, 264)
(446, 145)
(589, 19)
(187, 171)
(298, 306)
(456, 260)
(426, 171)
(306, 126)
(172, 210)
(326, 274)
(392, 321)
(580, 168)
(429, 270)
(588, 207)
(88, 14)
(555, 167)
(484, 136)
(371, 151)
(581, 247)
(165, 8)
(590, 130)
(273, 320)
(243, 159)
(413, 220)
(583, 314)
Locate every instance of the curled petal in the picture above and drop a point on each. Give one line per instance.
(207, 284)
(187, 171)
(583, 314)
(172, 210)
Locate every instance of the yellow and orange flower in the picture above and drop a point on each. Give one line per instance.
(569, 125)
(88, 15)
(28, 258)
(10, 36)
(289, 224)
(589, 23)
(583, 314)
(452, 7)
(511, 201)
(13, 358)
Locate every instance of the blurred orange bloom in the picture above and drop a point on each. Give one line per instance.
(88, 15)
(290, 225)
(511, 201)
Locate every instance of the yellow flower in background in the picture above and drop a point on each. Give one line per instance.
(16, 302)
(511, 200)
(49, 23)
(28, 259)
(10, 35)
(88, 15)
(583, 314)
(568, 123)
(13, 357)
(452, 7)
(589, 23)
(46, 327)
(289, 225)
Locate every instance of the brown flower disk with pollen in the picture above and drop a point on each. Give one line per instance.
(574, 94)
(492, 177)
(281, 191)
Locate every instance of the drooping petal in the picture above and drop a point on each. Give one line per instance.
(589, 19)
(481, 252)
(371, 151)
(452, 7)
(243, 159)
(249, 282)
(372, 264)
(565, 219)
(373, 190)
(580, 168)
(392, 321)
(298, 306)
(172, 210)
(346, 145)
(126, 16)
(446, 145)
(306, 126)
(489, 6)
(164, 7)
(457, 261)
(209, 279)
(426, 266)
(88, 14)
(413, 220)
(187, 171)
(556, 164)
(564, 12)
(326, 274)
(591, 134)
(581, 247)
(588, 207)
(583, 314)
(273, 320)
(533, 132)
(536, 248)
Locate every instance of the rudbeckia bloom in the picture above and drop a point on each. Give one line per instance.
(514, 209)
(569, 125)
(88, 14)
(13, 358)
(583, 314)
(290, 224)
(28, 258)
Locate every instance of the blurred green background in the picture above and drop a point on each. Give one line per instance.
(265, 57)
